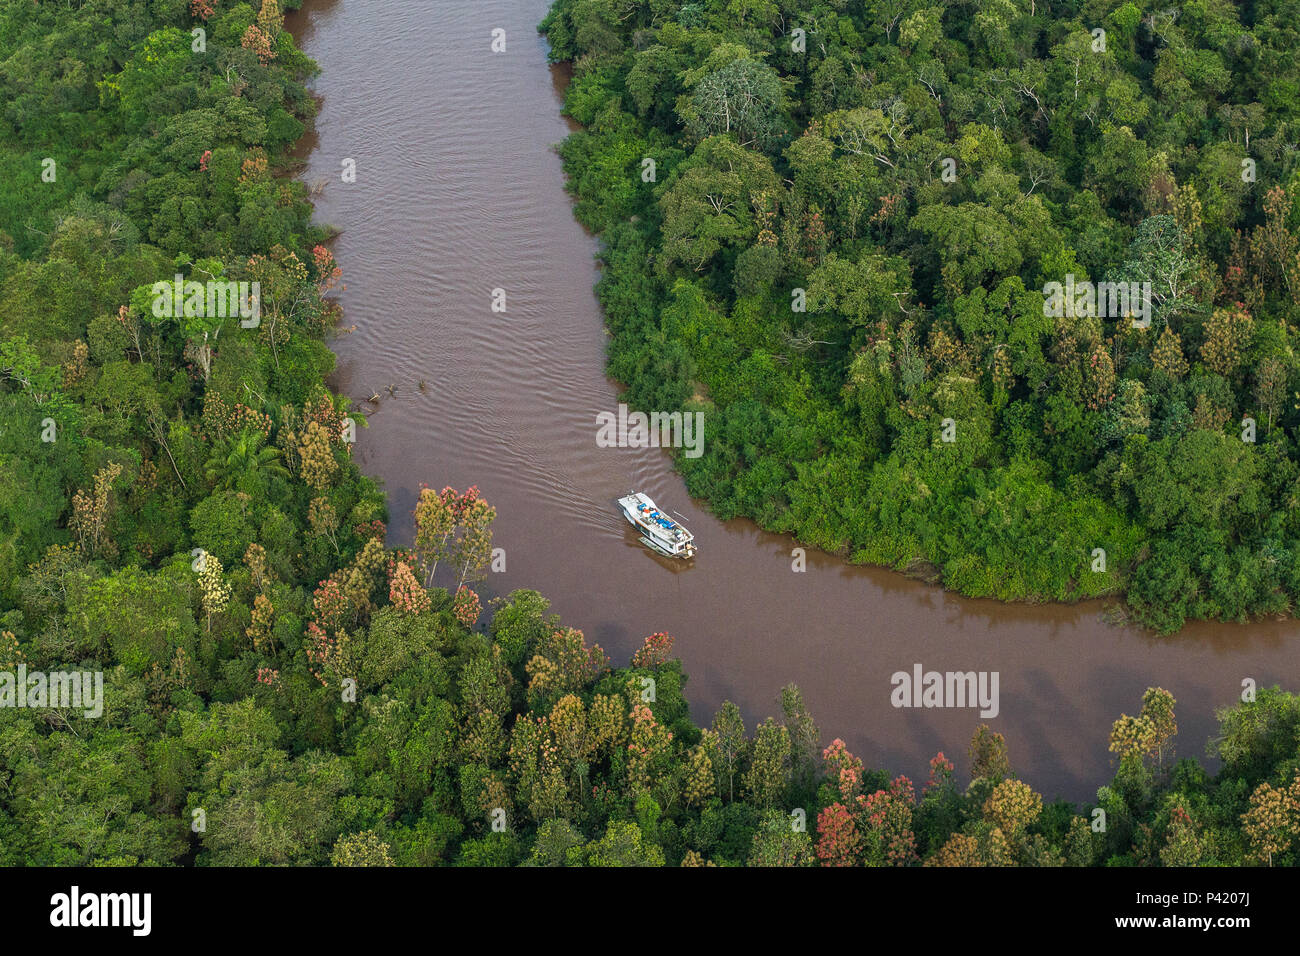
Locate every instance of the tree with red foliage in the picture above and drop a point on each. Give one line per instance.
(838, 840)
(466, 606)
(843, 769)
(654, 650)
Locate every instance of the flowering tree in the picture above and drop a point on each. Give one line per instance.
(1273, 821)
(988, 755)
(466, 606)
(316, 454)
(838, 840)
(256, 40)
(573, 736)
(650, 743)
(960, 850)
(888, 816)
(404, 590)
(843, 770)
(454, 527)
(90, 513)
(1227, 334)
(941, 770)
(1168, 354)
(435, 523)
(330, 604)
(475, 545)
(1012, 807)
(255, 561)
(259, 630)
(1147, 735)
(361, 849)
(537, 769)
(214, 592)
(320, 651)
(608, 723)
(327, 269)
(698, 782)
(269, 18)
(654, 650)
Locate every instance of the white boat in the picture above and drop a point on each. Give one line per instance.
(658, 531)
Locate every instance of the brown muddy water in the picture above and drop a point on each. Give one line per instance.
(459, 192)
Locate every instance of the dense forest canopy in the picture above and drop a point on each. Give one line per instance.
(835, 226)
(180, 513)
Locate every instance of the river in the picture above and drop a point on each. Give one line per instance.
(458, 191)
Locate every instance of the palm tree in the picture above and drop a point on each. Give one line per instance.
(244, 459)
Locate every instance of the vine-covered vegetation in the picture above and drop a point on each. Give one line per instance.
(179, 512)
(832, 226)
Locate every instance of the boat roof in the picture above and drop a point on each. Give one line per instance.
(651, 515)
